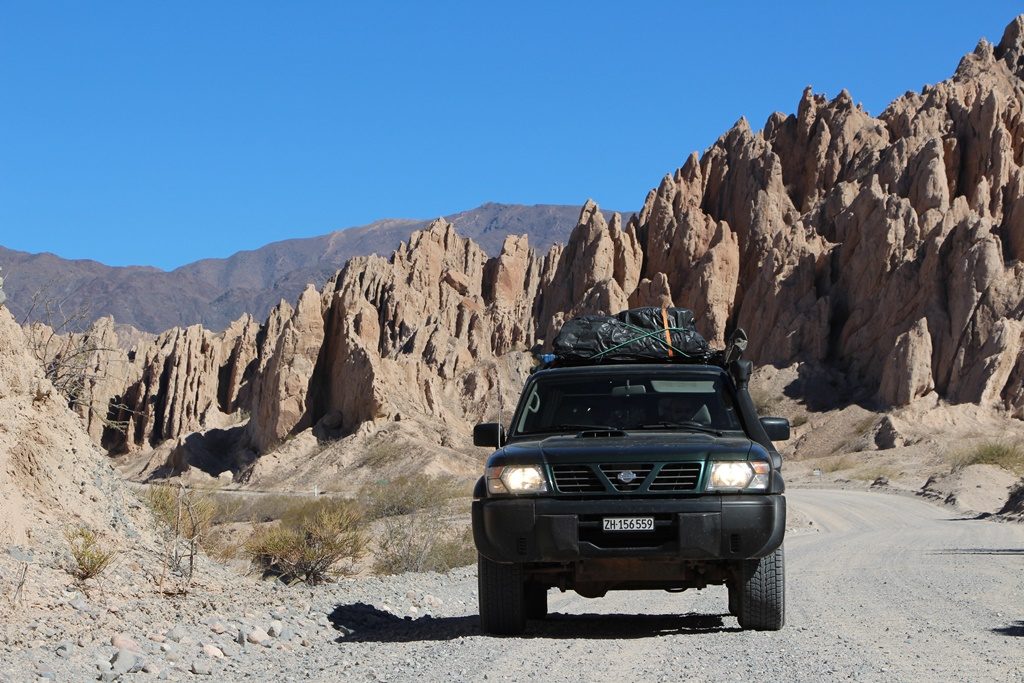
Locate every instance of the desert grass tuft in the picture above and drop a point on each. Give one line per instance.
(91, 557)
(1004, 454)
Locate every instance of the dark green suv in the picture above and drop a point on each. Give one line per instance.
(631, 476)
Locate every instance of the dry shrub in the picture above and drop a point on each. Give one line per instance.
(382, 451)
(1009, 456)
(423, 542)
(91, 557)
(765, 402)
(877, 471)
(188, 511)
(187, 517)
(251, 507)
(408, 494)
(310, 543)
(837, 463)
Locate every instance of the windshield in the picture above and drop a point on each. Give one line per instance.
(696, 402)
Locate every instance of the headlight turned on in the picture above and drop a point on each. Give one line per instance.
(516, 479)
(739, 475)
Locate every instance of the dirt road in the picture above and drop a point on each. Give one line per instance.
(888, 588)
(880, 588)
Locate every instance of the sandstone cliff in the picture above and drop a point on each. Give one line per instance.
(889, 248)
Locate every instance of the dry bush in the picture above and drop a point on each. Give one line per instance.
(1009, 456)
(764, 401)
(190, 512)
(410, 493)
(234, 507)
(383, 451)
(423, 542)
(798, 421)
(187, 517)
(311, 542)
(91, 557)
(873, 472)
(58, 336)
(837, 463)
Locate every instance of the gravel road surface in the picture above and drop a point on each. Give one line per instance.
(881, 587)
(887, 588)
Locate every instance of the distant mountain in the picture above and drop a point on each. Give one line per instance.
(216, 291)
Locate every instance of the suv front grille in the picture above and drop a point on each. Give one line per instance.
(677, 476)
(639, 476)
(648, 478)
(576, 479)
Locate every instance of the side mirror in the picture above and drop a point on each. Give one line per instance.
(777, 428)
(490, 434)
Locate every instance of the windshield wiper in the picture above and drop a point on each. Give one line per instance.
(690, 425)
(575, 428)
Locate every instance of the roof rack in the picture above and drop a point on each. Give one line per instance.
(638, 335)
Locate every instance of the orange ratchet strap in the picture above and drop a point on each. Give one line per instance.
(668, 335)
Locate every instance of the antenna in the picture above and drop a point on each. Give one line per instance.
(497, 384)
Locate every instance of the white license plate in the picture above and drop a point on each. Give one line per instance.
(628, 524)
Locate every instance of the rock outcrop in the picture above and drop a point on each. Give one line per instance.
(889, 248)
(54, 478)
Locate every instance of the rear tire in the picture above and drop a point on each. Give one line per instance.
(536, 601)
(762, 593)
(502, 597)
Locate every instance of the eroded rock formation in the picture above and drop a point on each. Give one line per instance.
(889, 247)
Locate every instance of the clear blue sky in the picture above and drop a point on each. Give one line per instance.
(158, 133)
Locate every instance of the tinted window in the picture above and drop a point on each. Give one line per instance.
(627, 402)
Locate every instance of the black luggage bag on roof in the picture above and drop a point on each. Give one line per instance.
(637, 334)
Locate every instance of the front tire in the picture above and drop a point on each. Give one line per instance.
(762, 592)
(502, 597)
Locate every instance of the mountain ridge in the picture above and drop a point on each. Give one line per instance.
(215, 291)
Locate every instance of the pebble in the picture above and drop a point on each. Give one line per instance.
(257, 636)
(125, 661)
(213, 651)
(230, 649)
(275, 629)
(176, 634)
(123, 642)
(218, 628)
(201, 669)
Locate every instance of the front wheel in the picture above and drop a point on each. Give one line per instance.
(762, 592)
(502, 597)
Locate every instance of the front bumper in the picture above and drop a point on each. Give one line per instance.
(711, 527)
